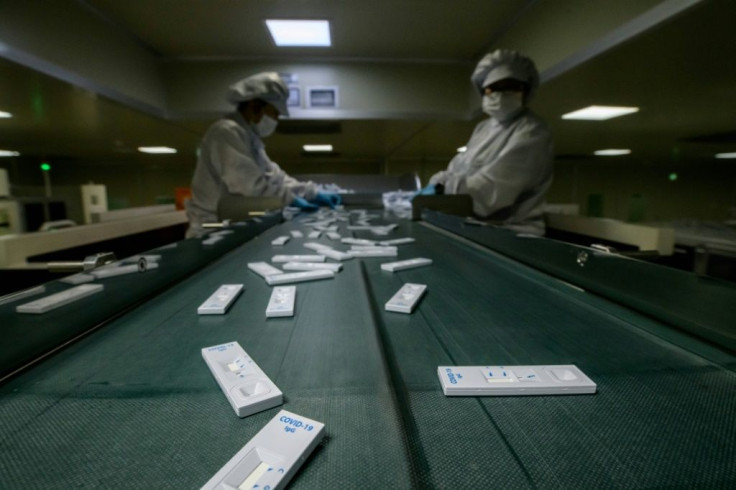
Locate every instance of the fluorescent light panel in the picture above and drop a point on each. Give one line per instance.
(4, 114)
(8, 153)
(611, 152)
(156, 149)
(462, 149)
(726, 155)
(600, 112)
(300, 32)
(317, 148)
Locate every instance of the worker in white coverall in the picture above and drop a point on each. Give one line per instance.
(233, 160)
(507, 167)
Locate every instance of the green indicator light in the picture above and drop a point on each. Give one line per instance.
(673, 177)
(45, 167)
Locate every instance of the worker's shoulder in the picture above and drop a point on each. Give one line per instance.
(225, 129)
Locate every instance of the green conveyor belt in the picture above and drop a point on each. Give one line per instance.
(133, 404)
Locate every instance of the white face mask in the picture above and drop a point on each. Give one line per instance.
(266, 126)
(501, 105)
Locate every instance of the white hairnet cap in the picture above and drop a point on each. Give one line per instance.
(505, 63)
(267, 86)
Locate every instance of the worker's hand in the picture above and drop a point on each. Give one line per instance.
(330, 199)
(303, 204)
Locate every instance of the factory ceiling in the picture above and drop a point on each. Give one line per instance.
(92, 80)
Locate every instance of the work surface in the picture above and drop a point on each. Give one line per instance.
(133, 405)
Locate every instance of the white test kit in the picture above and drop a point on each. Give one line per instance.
(357, 241)
(310, 266)
(397, 241)
(314, 234)
(317, 247)
(406, 298)
(299, 277)
(297, 258)
(296, 234)
(278, 241)
(281, 302)
(79, 278)
(335, 254)
(374, 252)
(565, 379)
(264, 269)
(53, 301)
(405, 264)
(272, 457)
(246, 387)
(334, 235)
(221, 300)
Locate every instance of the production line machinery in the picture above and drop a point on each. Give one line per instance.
(112, 390)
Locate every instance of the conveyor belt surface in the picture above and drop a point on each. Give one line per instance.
(133, 405)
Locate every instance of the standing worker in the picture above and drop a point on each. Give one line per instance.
(507, 167)
(233, 160)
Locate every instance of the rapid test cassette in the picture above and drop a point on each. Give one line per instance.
(405, 264)
(406, 298)
(297, 258)
(246, 387)
(293, 277)
(280, 240)
(565, 379)
(274, 455)
(264, 269)
(281, 302)
(221, 300)
(310, 266)
(48, 303)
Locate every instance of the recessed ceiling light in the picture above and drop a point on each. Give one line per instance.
(600, 112)
(156, 149)
(462, 149)
(611, 152)
(8, 153)
(317, 148)
(726, 155)
(5, 115)
(300, 32)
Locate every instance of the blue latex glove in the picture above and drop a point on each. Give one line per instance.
(430, 190)
(300, 202)
(330, 199)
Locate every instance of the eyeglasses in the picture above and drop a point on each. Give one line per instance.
(505, 85)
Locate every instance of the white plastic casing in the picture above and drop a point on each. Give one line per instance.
(565, 379)
(244, 384)
(335, 254)
(405, 264)
(357, 241)
(278, 241)
(317, 247)
(264, 269)
(272, 457)
(281, 302)
(406, 298)
(299, 277)
(310, 266)
(53, 301)
(374, 252)
(219, 302)
(397, 241)
(296, 234)
(297, 258)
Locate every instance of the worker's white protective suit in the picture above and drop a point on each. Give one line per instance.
(232, 160)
